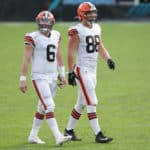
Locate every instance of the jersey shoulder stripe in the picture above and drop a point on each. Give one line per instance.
(29, 40)
(72, 32)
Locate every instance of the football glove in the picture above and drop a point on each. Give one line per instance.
(71, 78)
(111, 64)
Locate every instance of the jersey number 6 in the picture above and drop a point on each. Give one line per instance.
(50, 54)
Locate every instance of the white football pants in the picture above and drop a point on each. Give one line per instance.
(46, 92)
(87, 84)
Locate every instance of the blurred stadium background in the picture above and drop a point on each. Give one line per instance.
(65, 10)
(124, 107)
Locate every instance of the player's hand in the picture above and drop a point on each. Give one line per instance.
(61, 82)
(23, 86)
(111, 64)
(71, 78)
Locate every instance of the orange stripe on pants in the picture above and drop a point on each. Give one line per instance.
(87, 98)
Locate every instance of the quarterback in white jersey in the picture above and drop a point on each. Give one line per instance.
(44, 60)
(85, 39)
(43, 49)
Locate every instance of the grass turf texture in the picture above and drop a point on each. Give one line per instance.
(123, 94)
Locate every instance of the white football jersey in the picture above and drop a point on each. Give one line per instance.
(44, 55)
(87, 51)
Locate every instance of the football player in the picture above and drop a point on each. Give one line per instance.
(85, 39)
(43, 47)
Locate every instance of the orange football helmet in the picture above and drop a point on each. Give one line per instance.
(88, 11)
(45, 21)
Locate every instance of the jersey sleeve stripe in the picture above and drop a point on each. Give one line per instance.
(29, 39)
(72, 32)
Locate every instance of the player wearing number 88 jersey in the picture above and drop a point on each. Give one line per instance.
(89, 43)
(85, 39)
(43, 48)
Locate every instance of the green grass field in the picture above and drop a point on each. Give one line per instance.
(124, 94)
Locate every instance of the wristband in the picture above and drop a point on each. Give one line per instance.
(22, 78)
(61, 70)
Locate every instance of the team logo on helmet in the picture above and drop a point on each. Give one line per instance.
(45, 21)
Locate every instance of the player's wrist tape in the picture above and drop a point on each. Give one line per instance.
(22, 78)
(61, 71)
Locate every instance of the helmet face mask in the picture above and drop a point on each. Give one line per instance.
(87, 12)
(91, 16)
(45, 21)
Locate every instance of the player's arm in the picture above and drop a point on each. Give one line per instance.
(105, 55)
(61, 67)
(26, 60)
(72, 47)
(103, 52)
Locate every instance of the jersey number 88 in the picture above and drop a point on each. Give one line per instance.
(92, 43)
